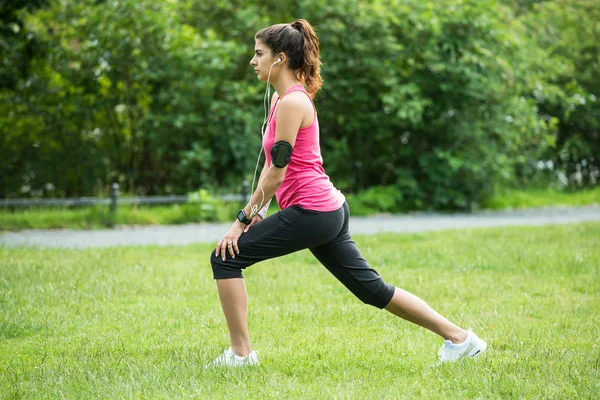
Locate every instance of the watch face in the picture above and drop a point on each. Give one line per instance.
(242, 217)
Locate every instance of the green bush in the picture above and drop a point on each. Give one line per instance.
(376, 199)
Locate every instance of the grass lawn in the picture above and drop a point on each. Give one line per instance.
(142, 322)
(512, 198)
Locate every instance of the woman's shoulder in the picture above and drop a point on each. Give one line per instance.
(297, 104)
(297, 99)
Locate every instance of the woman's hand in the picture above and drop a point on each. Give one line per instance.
(230, 240)
(257, 218)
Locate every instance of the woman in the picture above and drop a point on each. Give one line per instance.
(313, 214)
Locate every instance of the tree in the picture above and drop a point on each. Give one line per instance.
(567, 33)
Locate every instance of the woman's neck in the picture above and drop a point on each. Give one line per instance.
(284, 83)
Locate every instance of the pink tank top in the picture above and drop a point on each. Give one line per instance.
(305, 182)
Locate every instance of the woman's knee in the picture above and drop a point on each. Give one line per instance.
(224, 269)
(377, 294)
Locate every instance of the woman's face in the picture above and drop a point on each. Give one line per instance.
(262, 61)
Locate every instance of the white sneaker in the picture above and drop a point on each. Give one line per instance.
(230, 359)
(471, 347)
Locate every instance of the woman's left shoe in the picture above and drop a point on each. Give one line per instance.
(230, 359)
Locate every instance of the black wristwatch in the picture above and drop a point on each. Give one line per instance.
(242, 217)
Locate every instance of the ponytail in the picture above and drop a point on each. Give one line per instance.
(301, 45)
(310, 72)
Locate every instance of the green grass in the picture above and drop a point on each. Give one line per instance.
(142, 322)
(513, 198)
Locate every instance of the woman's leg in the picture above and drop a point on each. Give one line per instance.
(289, 230)
(343, 259)
(234, 301)
(413, 309)
(346, 263)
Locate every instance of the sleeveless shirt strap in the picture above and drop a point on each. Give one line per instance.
(272, 111)
(295, 88)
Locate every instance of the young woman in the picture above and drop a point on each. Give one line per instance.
(314, 215)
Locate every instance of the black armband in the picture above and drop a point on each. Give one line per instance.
(281, 153)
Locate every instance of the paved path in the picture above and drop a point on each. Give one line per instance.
(211, 233)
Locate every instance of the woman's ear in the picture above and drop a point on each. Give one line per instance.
(283, 57)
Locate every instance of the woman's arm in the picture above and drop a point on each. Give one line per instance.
(289, 118)
(263, 211)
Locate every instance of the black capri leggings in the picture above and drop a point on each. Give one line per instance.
(325, 234)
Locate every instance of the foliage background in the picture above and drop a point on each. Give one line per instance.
(433, 105)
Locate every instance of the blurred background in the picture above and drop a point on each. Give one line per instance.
(427, 105)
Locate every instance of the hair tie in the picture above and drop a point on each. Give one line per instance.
(296, 25)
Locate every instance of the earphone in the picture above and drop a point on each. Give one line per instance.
(255, 208)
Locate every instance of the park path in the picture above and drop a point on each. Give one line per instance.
(211, 233)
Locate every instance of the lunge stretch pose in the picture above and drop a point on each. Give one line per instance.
(314, 214)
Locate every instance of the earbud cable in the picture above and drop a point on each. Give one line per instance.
(254, 208)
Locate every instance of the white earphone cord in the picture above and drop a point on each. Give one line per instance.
(254, 208)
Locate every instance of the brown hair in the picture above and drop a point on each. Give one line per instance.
(301, 45)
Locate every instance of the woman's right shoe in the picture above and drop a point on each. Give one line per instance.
(472, 347)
